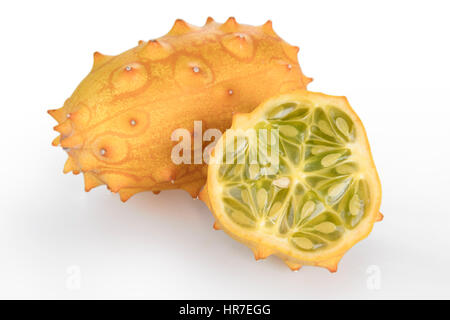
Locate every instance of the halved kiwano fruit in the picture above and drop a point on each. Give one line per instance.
(295, 178)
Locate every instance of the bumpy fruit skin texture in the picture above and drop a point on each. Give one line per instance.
(117, 125)
(340, 219)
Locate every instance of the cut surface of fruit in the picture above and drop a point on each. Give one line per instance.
(295, 178)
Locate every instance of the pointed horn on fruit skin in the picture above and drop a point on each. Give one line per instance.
(65, 128)
(126, 193)
(291, 52)
(91, 181)
(56, 141)
(100, 59)
(216, 226)
(307, 80)
(268, 28)
(125, 196)
(293, 266)
(209, 20)
(70, 165)
(330, 264)
(116, 182)
(156, 50)
(154, 43)
(58, 114)
(379, 217)
(193, 189)
(73, 141)
(230, 25)
(52, 112)
(231, 21)
(262, 252)
(180, 27)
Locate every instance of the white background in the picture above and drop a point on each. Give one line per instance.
(390, 58)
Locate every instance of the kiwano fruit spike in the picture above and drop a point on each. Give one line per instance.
(295, 178)
(117, 125)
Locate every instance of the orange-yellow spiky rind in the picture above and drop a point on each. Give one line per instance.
(330, 264)
(70, 165)
(100, 59)
(268, 28)
(379, 217)
(65, 128)
(261, 252)
(91, 181)
(117, 125)
(292, 265)
(180, 27)
(56, 141)
(236, 206)
(230, 25)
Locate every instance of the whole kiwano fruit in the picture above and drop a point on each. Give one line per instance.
(117, 125)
